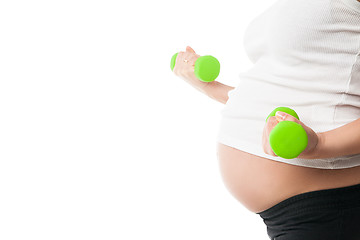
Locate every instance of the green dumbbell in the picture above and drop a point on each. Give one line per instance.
(287, 139)
(207, 68)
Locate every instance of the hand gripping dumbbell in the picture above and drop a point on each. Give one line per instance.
(206, 69)
(287, 139)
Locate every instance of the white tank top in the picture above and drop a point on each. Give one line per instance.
(306, 56)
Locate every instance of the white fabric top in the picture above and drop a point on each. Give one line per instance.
(306, 56)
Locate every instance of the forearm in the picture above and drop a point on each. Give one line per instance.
(217, 91)
(341, 141)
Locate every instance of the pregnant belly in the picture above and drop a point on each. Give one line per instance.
(259, 183)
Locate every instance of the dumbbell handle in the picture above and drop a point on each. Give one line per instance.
(287, 139)
(207, 68)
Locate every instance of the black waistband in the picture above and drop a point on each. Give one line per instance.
(329, 198)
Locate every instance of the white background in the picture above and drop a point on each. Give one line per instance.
(98, 138)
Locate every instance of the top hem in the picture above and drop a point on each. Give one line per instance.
(329, 163)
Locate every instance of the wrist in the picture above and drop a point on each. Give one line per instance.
(318, 151)
(196, 83)
(218, 91)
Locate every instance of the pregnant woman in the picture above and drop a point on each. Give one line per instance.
(306, 56)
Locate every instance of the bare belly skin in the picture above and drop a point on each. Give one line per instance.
(260, 183)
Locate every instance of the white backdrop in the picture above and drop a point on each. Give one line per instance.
(98, 138)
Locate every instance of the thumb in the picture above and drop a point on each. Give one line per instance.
(282, 116)
(189, 49)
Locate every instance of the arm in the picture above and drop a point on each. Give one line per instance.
(217, 91)
(214, 90)
(341, 141)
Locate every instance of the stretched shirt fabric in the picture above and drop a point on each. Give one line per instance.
(306, 56)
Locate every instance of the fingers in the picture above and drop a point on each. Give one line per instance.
(282, 116)
(185, 62)
(184, 59)
(189, 49)
(187, 58)
(270, 124)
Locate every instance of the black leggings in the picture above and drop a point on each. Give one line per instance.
(331, 214)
